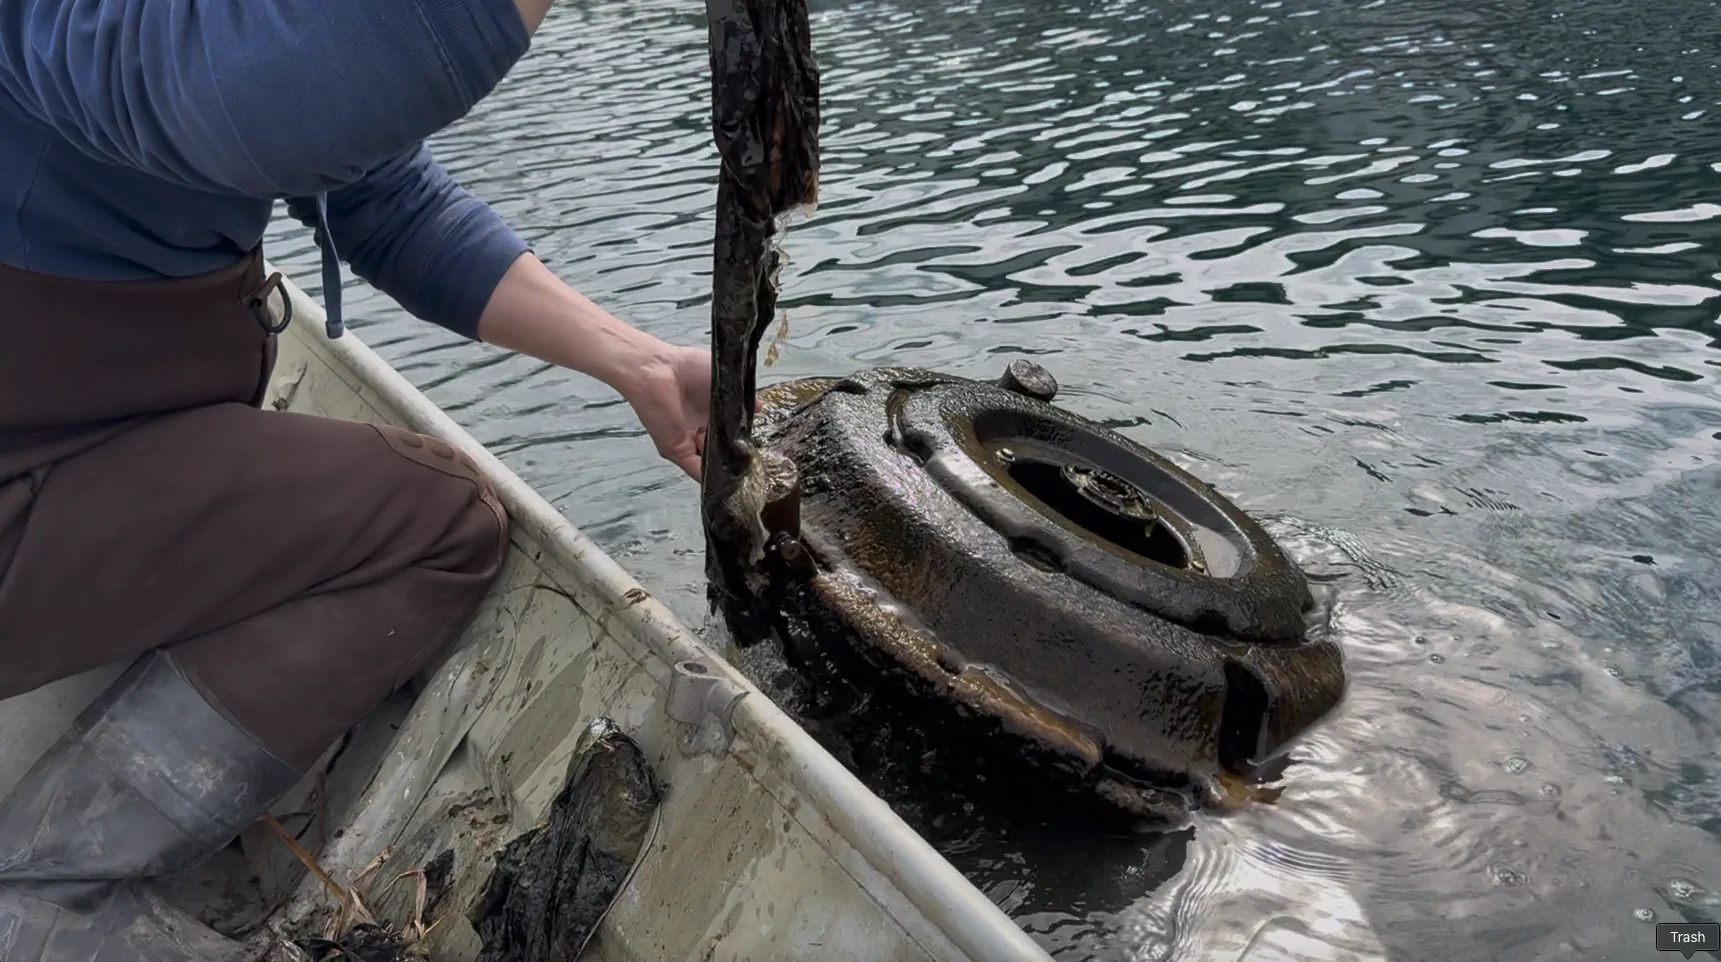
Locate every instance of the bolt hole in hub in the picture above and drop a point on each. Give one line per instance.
(1098, 502)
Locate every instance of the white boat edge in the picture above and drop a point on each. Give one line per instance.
(938, 913)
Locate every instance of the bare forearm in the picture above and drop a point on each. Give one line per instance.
(532, 11)
(533, 312)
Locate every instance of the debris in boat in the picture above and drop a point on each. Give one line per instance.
(353, 935)
(369, 941)
(352, 907)
(554, 884)
(765, 120)
(366, 942)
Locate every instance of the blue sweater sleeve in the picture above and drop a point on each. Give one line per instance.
(273, 99)
(419, 237)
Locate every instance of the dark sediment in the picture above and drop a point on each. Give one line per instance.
(365, 943)
(554, 884)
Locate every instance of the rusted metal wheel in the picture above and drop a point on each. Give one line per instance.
(1076, 598)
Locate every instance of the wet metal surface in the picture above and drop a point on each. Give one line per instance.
(1431, 288)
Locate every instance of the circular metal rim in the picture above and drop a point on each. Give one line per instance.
(1260, 596)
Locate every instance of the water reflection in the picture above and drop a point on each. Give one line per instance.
(1432, 286)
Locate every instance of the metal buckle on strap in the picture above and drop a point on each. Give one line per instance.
(258, 302)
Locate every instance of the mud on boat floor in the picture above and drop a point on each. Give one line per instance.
(553, 885)
(365, 943)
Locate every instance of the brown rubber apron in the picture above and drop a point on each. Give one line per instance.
(83, 360)
(297, 568)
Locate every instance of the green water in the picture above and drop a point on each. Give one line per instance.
(1431, 288)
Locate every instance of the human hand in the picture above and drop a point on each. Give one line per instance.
(670, 393)
(668, 386)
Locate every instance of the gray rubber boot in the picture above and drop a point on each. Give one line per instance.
(150, 780)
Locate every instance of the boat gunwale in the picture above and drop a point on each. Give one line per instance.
(886, 858)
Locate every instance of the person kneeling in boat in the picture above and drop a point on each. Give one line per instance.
(275, 576)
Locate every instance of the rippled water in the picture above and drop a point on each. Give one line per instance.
(1431, 287)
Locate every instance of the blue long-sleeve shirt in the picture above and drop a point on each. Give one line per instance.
(150, 138)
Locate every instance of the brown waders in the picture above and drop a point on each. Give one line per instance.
(275, 576)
